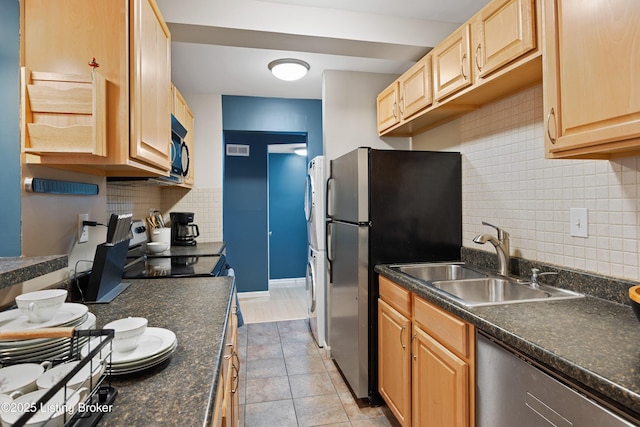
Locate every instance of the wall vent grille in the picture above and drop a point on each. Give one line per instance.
(237, 150)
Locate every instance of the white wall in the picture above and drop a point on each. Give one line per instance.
(508, 182)
(349, 112)
(49, 226)
(207, 110)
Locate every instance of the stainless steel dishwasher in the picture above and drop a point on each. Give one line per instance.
(512, 392)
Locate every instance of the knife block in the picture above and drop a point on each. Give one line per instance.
(105, 280)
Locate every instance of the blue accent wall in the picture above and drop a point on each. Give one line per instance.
(245, 213)
(258, 122)
(287, 224)
(10, 128)
(249, 113)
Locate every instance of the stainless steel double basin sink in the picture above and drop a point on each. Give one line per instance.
(472, 287)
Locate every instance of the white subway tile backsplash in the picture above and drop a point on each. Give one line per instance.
(508, 182)
(205, 203)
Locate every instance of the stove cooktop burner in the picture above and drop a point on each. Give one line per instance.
(175, 266)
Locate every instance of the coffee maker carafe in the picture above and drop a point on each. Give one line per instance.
(183, 231)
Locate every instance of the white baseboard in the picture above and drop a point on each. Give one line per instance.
(255, 294)
(286, 283)
(273, 284)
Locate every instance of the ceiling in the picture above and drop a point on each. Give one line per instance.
(223, 47)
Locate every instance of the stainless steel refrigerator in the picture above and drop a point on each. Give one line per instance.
(383, 206)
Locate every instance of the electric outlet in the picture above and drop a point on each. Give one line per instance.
(83, 230)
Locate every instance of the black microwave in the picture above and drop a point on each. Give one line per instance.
(180, 159)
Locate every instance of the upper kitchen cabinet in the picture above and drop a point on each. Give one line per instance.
(495, 54)
(183, 114)
(406, 96)
(131, 46)
(388, 113)
(415, 88)
(591, 93)
(504, 30)
(452, 63)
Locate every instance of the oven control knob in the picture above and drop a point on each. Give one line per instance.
(140, 230)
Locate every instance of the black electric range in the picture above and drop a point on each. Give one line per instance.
(140, 264)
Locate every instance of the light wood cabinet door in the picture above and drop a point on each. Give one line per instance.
(189, 124)
(440, 384)
(388, 112)
(451, 63)
(415, 88)
(63, 36)
(394, 361)
(505, 30)
(591, 90)
(151, 88)
(227, 403)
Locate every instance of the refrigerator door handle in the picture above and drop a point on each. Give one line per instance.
(330, 250)
(330, 197)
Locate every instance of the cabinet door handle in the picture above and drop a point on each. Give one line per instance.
(401, 106)
(413, 352)
(462, 66)
(551, 113)
(236, 368)
(478, 50)
(404, 327)
(395, 114)
(236, 378)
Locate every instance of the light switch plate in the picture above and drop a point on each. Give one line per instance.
(579, 222)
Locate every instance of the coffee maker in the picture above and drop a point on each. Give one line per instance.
(183, 231)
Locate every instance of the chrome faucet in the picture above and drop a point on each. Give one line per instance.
(501, 243)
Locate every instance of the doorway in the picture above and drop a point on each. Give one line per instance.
(248, 206)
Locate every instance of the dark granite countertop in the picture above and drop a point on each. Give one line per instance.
(181, 390)
(19, 269)
(201, 249)
(588, 340)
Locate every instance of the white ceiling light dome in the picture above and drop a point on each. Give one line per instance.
(289, 69)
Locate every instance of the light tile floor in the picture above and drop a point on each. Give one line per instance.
(288, 381)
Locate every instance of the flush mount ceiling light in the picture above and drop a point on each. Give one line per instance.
(289, 69)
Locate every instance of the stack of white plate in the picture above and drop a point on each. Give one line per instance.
(155, 346)
(17, 351)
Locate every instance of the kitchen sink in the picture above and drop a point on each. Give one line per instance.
(473, 287)
(439, 271)
(493, 291)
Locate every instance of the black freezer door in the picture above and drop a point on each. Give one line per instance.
(415, 206)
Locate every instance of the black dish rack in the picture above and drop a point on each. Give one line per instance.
(102, 394)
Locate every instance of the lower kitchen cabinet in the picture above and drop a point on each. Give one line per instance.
(429, 381)
(440, 380)
(227, 403)
(394, 361)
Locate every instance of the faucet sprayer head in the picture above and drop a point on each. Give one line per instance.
(484, 238)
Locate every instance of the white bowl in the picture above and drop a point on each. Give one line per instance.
(127, 332)
(50, 414)
(41, 306)
(84, 378)
(157, 247)
(20, 379)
